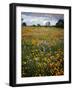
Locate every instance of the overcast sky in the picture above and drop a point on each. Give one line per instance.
(40, 18)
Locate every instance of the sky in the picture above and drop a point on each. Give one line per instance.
(40, 18)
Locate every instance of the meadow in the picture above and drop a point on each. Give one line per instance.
(42, 51)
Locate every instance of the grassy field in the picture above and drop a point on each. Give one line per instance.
(42, 51)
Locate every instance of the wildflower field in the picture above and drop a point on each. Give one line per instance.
(42, 51)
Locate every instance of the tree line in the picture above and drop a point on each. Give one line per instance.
(60, 23)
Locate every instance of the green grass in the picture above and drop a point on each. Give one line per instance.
(42, 51)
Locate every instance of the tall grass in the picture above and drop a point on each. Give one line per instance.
(42, 51)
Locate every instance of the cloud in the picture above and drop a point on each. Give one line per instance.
(40, 18)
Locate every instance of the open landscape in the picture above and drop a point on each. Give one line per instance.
(42, 51)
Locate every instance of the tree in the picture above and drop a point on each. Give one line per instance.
(60, 23)
(33, 25)
(38, 25)
(47, 23)
(24, 24)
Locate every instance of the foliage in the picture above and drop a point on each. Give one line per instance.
(24, 24)
(60, 23)
(47, 23)
(38, 25)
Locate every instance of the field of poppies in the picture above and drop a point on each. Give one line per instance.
(42, 51)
